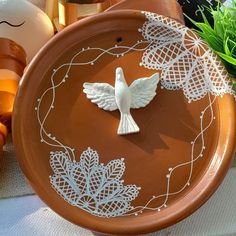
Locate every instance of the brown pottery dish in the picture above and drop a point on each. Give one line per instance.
(187, 133)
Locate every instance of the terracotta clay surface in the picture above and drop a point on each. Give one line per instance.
(12, 65)
(169, 8)
(12, 55)
(167, 125)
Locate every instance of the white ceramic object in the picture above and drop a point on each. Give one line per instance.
(25, 24)
(123, 97)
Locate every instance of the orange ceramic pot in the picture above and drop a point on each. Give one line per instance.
(12, 64)
(169, 8)
(72, 11)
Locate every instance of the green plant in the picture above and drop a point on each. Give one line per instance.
(222, 36)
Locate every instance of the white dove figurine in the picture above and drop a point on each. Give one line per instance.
(123, 97)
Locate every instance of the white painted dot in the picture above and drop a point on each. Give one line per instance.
(54, 70)
(136, 214)
(122, 159)
(170, 169)
(139, 30)
(141, 64)
(201, 155)
(168, 176)
(139, 188)
(67, 76)
(153, 196)
(92, 63)
(192, 142)
(52, 106)
(36, 108)
(38, 100)
(159, 209)
(165, 205)
(63, 81)
(188, 184)
(41, 141)
(204, 147)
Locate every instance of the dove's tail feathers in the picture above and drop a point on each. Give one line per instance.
(127, 125)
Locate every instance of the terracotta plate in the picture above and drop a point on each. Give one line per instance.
(187, 133)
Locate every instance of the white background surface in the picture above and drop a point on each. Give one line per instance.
(28, 216)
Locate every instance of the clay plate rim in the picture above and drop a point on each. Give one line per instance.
(155, 220)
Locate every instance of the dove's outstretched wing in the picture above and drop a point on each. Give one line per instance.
(143, 91)
(102, 94)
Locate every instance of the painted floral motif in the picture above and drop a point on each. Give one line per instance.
(184, 60)
(91, 186)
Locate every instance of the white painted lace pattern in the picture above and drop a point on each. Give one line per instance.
(183, 59)
(94, 187)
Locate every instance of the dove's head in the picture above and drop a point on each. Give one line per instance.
(120, 75)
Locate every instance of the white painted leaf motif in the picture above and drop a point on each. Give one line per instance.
(196, 86)
(109, 191)
(115, 170)
(64, 188)
(89, 159)
(160, 56)
(60, 163)
(175, 74)
(156, 32)
(96, 180)
(79, 178)
(129, 192)
(165, 22)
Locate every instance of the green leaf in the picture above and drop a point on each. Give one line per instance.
(227, 58)
(222, 37)
(226, 48)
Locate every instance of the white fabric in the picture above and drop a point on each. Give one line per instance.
(12, 181)
(27, 216)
